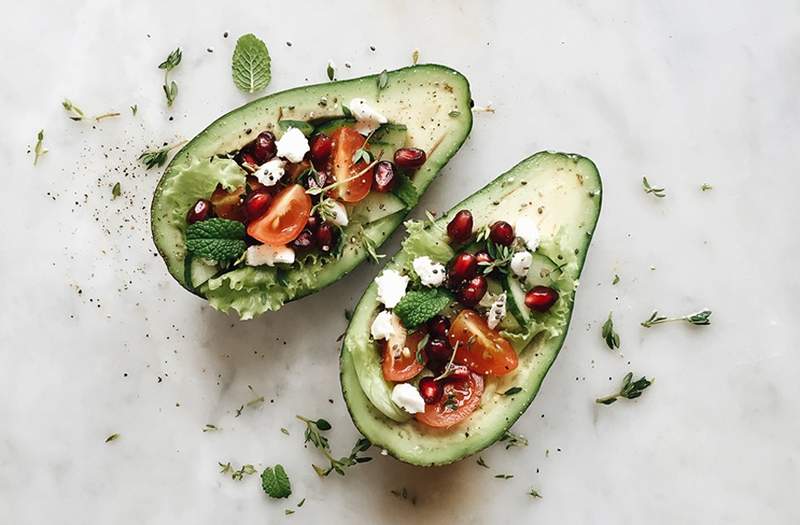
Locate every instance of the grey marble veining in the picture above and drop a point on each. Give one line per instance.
(96, 338)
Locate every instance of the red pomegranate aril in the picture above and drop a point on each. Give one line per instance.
(313, 223)
(460, 228)
(264, 148)
(321, 147)
(304, 241)
(247, 159)
(409, 158)
(439, 326)
(430, 390)
(501, 233)
(325, 236)
(199, 212)
(464, 267)
(438, 349)
(483, 258)
(472, 291)
(256, 204)
(383, 177)
(541, 298)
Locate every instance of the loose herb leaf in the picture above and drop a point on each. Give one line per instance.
(418, 306)
(134, 109)
(110, 114)
(383, 80)
(39, 149)
(250, 64)
(237, 475)
(513, 440)
(211, 428)
(217, 240)
(415, 57)
(630, 389)
(454, 113)
(74, 111)
(511, 391)
(170, 88)
(481, 462)
(116, 191)
(615, 280)
(112, 437)
(172, 61)
(610, 336)
(658, 192)
(534, 493)
(284, 431)
(288, 512)
(701, 318)
(331, 70)
(346, 111)
(504, 476)
(313, 432)
(157, 157)
(706, 187)
(275, 482)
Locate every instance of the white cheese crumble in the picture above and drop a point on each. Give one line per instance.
(527, 230)
(521, 263)
(383, 326)
(338, 212)
(368, 120)
(293, 145)
(391, 287)
(497, 311)
(429, 272)
(271, 172)
(268, 254)
(407, 397)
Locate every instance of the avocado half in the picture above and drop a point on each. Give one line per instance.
(431, 101)
(563, 193)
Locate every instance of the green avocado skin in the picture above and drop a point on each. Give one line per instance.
(565, 192)
(432, 101)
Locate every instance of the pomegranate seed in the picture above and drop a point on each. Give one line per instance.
(472, 291)
(256, 204)
(264, 148)
(458, 373)
(439, 326)
(321, 148)
(438, 349)
(247, 159)
(304, 241)
(501, 233)
(464, 267)
(325, 236)
(409, 158)
(313, 223)
(199, 212)
(460, 228)
(541, 298)
(430, 390)
(384, 179)
(484, 258)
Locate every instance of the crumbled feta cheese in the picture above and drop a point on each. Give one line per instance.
(383, 325)
(527, 230)
(338, 212)
(368, 120)
(429, 272)
(497, 311)
(268, 254)
(293, 145)
(271, 172)
(391, 287)
(521, 263)
(407, 397)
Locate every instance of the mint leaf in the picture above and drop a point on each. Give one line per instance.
(405, 190)
(216, 239)
(417, 307)
(251, 64)
(304, 127)
(275, 482)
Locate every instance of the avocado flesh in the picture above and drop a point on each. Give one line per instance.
(568, 190)
(431, 101)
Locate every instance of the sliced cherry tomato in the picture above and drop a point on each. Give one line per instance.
(285, 218)
(228, 204)
(482, 349)
(399, 365)
(461, 397)
(346, 141)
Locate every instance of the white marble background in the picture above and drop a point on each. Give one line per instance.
(95, 338)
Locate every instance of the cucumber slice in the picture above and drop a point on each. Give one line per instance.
(375, 206)
(541, 271)
(516, 300)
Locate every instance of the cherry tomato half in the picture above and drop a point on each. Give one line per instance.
(460, 398)
(285, 218)
(346, 141)
(398, 367)
(482, 349)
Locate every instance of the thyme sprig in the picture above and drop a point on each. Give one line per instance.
(658, 192)
(313, 435)
(170, 88)
(610, 336)
(630, 389)
(701, 318)
(158, 157)
(513, 440)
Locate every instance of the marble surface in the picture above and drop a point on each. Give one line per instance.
(95, 337)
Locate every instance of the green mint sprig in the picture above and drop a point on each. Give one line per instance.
(418, 306)
(275, 482)
(216, 239)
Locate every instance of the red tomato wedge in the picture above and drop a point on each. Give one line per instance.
(346, 141)
(481, 349)
(398, 367)
(285, 218)
(461, 398)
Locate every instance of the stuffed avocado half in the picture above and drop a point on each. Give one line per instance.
(289, 193)
(450, 344)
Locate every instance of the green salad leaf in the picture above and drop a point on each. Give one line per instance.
(216, 239)
(275, 482)
(416, 307)
(251, 64)
(304, 127)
